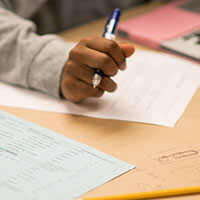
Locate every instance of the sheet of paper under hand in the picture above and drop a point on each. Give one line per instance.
(155, 88)
(37, 163)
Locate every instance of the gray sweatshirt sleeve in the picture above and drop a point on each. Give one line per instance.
(27, 59)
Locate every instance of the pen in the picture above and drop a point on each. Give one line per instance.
(109, 33)
(150, 195)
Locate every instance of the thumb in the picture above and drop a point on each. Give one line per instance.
(127, 49)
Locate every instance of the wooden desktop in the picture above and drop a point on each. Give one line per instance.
(164, 157)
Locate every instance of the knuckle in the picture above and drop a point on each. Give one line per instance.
(74, 52)
(111, 71)
(85, 40)
(114, 72)
(106, 64)
(111, 45)
(71, 85)
(105, 59)
(69, 67)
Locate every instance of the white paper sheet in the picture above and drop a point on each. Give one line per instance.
(38, 164)
(155, 88)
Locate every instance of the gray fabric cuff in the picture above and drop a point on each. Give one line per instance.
(46, 69)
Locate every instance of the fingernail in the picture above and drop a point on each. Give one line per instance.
(123, 66)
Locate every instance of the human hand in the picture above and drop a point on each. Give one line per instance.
(88, 54)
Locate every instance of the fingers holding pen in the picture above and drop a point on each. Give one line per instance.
(90, 54)
(82, 76)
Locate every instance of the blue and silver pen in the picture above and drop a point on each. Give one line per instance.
(109, 33)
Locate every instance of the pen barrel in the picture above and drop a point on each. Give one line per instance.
(111, 24)
(109, 33)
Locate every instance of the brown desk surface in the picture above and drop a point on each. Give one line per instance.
(164, 157)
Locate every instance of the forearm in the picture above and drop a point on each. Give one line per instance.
(27, 59)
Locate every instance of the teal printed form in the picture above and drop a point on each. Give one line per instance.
(37, 163)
